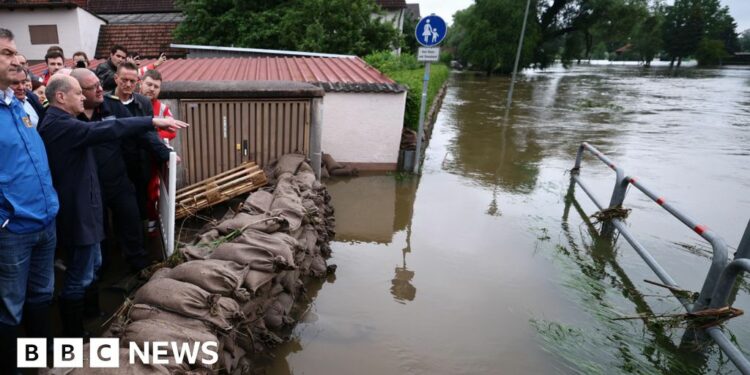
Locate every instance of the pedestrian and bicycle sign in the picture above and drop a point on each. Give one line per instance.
(431, 31)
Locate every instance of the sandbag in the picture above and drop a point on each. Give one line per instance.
(253, 257)
(142, 312)
(287, 203)
(214, 276)
(191, 301)
(254, 280)
(330, 163)
(288, 163)
(193, 252)
(261, 222)
(278, 244)
(148, 330)
(258, 202)
(125, 368)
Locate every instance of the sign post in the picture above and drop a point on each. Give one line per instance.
(430, 32)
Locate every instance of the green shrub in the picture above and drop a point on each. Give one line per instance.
(710, 52)
(406, 71)
(412, 79)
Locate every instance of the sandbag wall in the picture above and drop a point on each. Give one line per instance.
(237, 283)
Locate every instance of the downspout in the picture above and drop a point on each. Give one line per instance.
(316, 136)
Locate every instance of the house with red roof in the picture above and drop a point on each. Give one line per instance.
(37, 25)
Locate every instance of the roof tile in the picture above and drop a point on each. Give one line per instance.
(149, 40)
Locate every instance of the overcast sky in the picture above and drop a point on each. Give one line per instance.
(740, 9)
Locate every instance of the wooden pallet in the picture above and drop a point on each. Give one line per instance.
(222, 187)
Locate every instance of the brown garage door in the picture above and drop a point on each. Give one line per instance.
(223, 134)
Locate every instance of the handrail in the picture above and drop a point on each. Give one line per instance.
(720, 257)
(721, 275)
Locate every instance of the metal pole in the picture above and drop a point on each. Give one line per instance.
(743, 250)
(422, 108)
(316, 136)
(518, 55)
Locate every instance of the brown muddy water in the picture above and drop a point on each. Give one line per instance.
(478, 267)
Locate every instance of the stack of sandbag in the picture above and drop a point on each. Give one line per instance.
(237, 283)
(331, 167)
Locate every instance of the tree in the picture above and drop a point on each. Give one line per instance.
(333, 26)
(647, 39)
(691, 25)
(744, 41)
(486, 35)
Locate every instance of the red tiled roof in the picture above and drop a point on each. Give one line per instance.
(391, 4)
(131, 6)
(150, 40)
(332, 74)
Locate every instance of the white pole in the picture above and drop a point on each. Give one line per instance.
(422, 109)
(518, 56)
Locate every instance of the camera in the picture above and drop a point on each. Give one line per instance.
(80, 64)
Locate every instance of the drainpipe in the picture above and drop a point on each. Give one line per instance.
(316, 136)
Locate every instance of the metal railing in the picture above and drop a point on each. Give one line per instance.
(722, 274)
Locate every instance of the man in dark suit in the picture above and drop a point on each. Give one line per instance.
(28, 99)
(69, 144)
(117, 189)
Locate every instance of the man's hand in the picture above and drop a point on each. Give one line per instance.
(161, 60)
(169, 123)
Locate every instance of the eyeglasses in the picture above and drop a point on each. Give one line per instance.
(95, 87)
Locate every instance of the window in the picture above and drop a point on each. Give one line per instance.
(43, 34)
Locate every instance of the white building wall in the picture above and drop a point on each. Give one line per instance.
(77, 30)
(364, 128)
(89, 32)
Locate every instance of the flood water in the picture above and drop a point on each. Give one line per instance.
(480, 266)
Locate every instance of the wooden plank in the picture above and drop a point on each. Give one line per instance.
(219, 188)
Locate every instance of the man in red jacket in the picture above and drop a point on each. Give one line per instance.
(150, 88)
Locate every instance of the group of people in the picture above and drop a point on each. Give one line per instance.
(91, 143)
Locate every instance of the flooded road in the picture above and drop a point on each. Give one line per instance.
(481, 266)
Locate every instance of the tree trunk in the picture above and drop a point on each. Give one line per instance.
(679, 61)
(671, 63)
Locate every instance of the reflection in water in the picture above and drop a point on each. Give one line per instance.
(401, 286)
(506, 299)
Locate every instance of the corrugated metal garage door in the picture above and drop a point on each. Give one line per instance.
(223, 134)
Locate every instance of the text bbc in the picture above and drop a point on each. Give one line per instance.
(105, 353)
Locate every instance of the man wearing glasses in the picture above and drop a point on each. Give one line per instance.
(28, 206)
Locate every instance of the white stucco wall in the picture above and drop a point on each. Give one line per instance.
(363, 127)
(77, 30)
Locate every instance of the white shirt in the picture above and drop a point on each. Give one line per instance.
(7, 96)
(33, 116)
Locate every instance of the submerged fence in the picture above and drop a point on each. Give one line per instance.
(722, 273)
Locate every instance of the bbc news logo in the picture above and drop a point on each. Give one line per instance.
(105, 353)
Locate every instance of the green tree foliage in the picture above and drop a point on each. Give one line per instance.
(693, 24)
(744, 41)
(710, 52)
(333, 26)
(647, 37)
(486, 35)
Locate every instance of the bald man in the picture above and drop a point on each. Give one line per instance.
(69, 143)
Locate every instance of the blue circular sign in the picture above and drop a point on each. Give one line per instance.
(430, 31)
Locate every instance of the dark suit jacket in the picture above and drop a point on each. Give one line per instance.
(69, 144)
(113, 175)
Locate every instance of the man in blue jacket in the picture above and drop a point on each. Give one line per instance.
(69, 144)
(28, 205)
